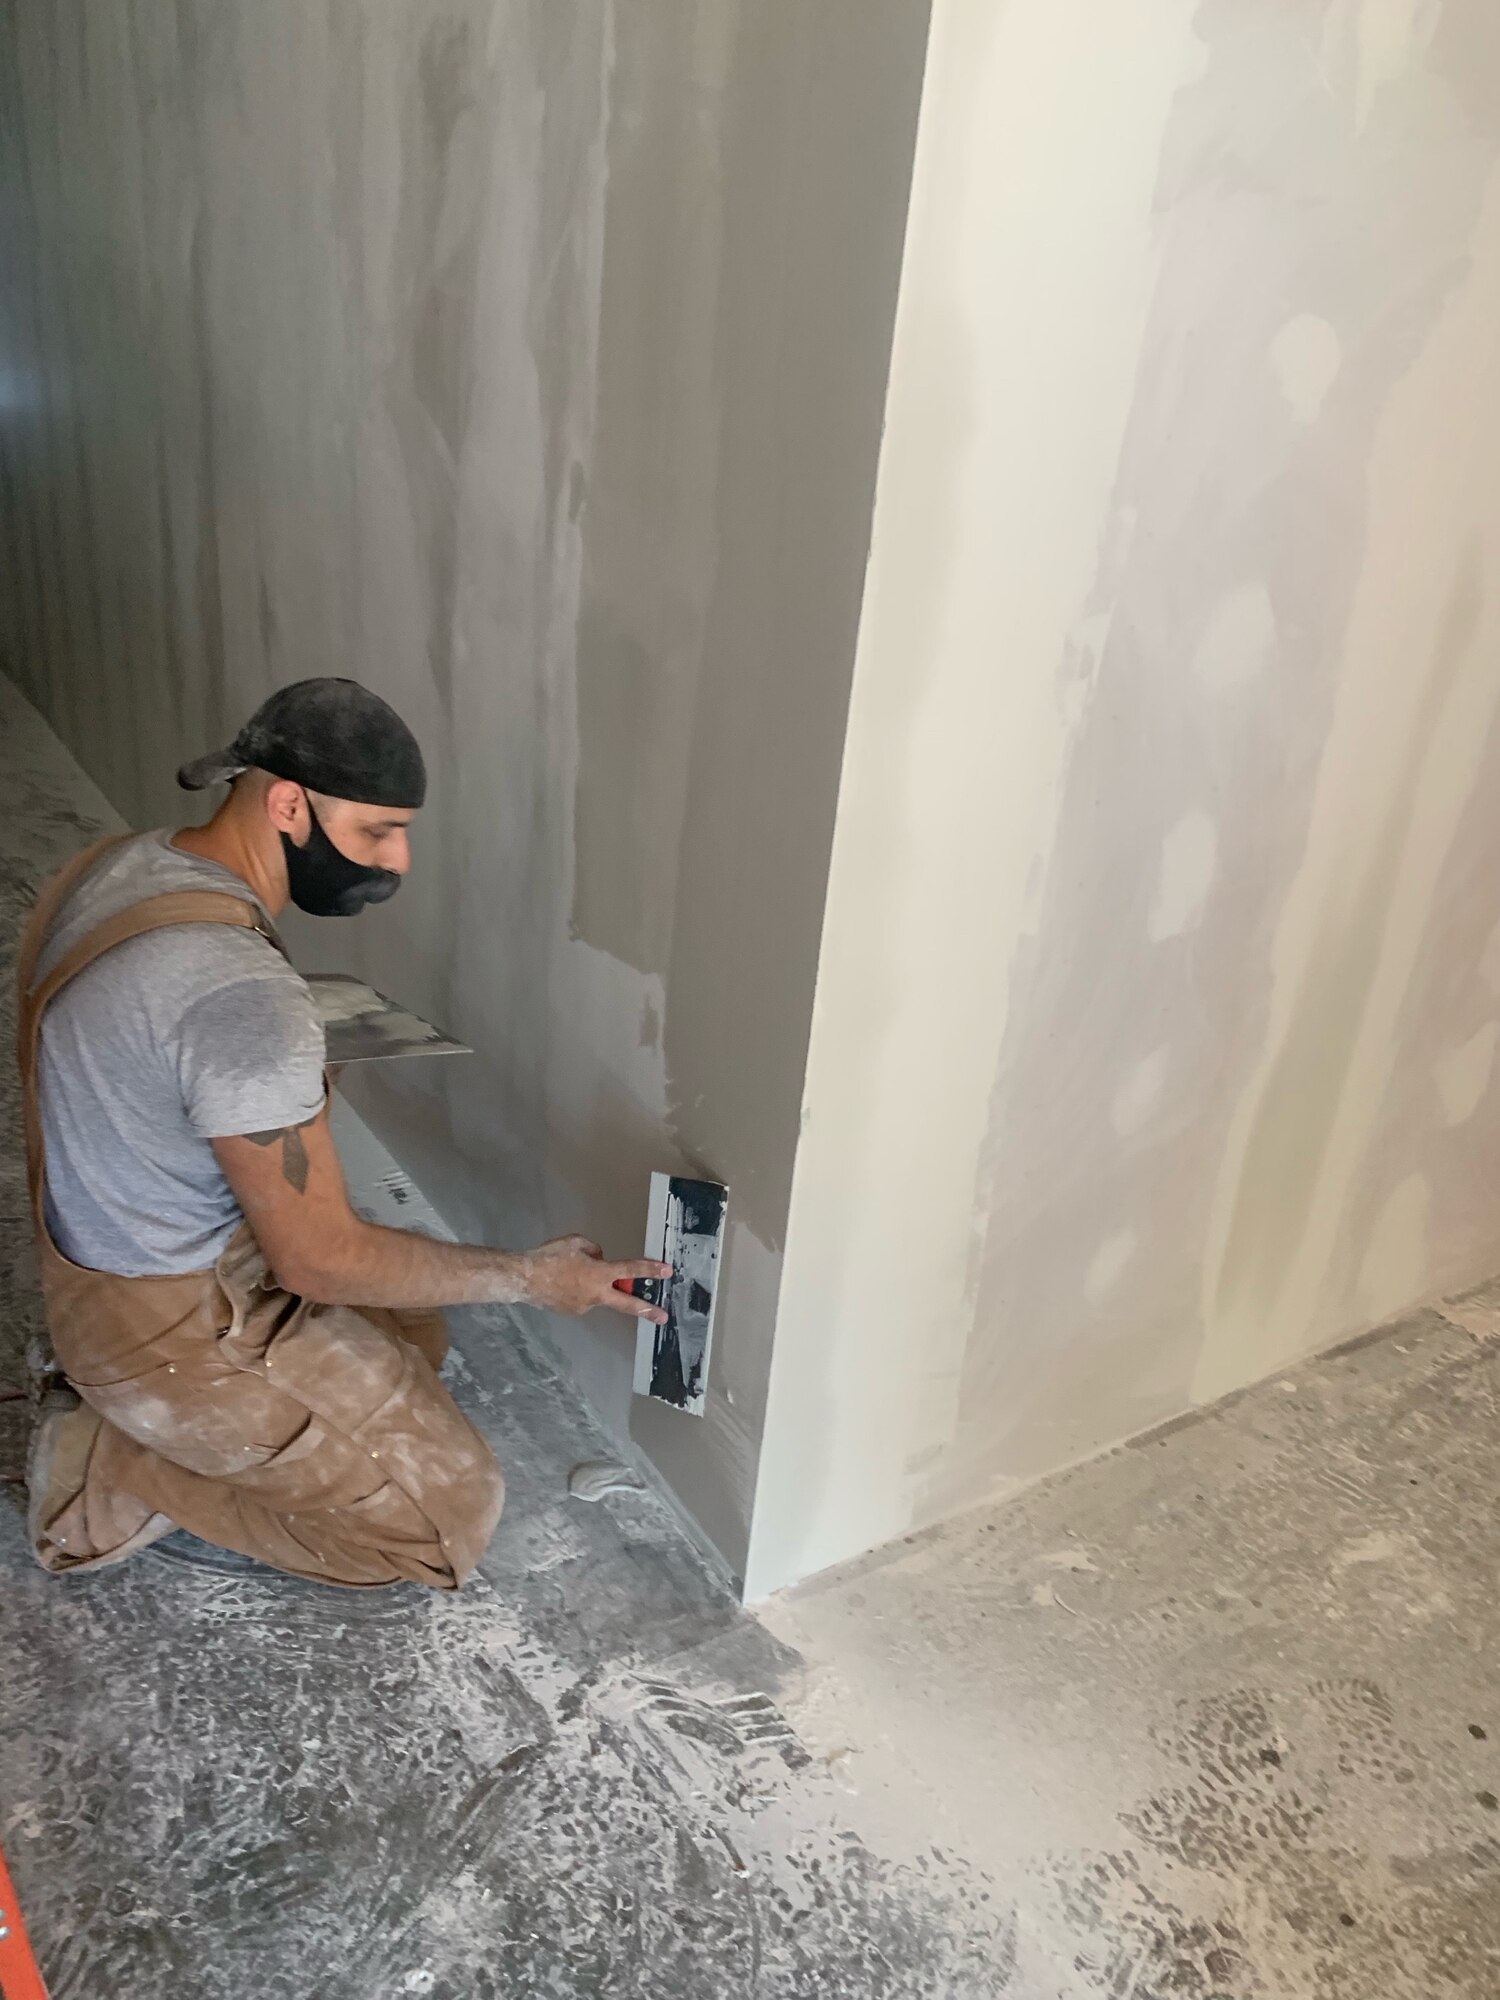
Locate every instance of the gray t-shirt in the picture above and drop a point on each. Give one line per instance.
(183, 1035)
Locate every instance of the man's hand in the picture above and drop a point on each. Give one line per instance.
(570, 1275)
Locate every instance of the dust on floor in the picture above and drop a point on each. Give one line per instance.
(1219, 1709)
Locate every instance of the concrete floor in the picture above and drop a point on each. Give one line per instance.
(1220, 1711)
(1213, 1718)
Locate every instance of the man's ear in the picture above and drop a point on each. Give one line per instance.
(286, 807)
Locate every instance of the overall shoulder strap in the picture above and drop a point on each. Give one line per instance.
(50, 898)
(179, 906)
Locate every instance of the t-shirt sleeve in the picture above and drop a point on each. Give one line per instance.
(250, 1058)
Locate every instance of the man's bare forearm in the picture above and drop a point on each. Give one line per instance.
(372, 1266)
(290, 1186)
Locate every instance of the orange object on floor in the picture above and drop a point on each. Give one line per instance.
(19, 1977)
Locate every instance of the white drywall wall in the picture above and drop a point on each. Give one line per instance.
(1157, 1006)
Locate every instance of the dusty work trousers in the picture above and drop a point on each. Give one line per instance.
(315, 1438)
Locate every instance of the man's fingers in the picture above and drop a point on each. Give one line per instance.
(570, 1275)
(634, 1308)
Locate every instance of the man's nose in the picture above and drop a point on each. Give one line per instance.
(399, 861)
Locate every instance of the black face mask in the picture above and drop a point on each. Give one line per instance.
(326, 883)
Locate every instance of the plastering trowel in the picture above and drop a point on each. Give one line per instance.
(361, 1025)
(684, 1228)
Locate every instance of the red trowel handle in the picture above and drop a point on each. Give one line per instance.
(649, 1289)
(19, 1978)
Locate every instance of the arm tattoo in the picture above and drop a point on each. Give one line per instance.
(293, 1153)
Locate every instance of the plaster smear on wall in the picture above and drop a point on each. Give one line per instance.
(1141, 1092)
(1398, 1254)
(1307, 355)
(1386, 39)
(1240, 642)
(1463, 1075)
(1189, 861)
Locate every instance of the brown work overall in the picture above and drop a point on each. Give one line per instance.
(316, 1438)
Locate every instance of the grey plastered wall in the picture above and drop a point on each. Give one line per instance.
(527, 361)
(1160, 996)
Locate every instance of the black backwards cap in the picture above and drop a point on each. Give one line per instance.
(333, 736)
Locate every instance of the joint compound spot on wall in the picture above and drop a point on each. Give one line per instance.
(1239, 642)
(1489, 963)
(1139, 1093)
(1110, 1262)
(1463, 1075)
(1189, 858)
(1306, 357)
(1395, 1260)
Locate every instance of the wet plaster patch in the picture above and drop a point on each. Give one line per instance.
(575, 1779)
